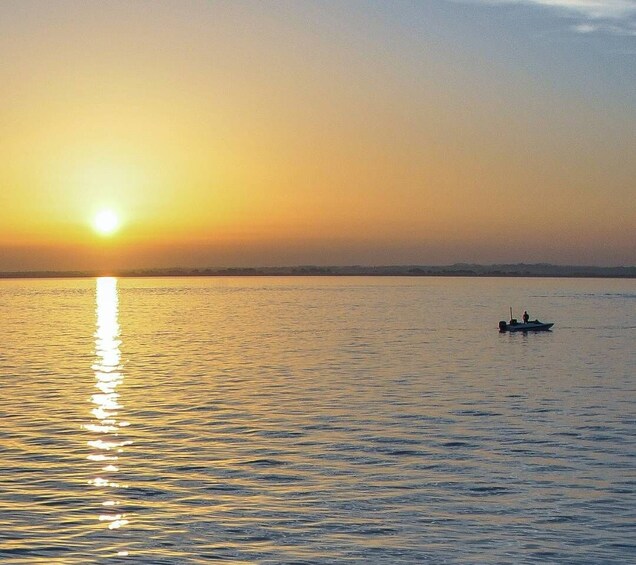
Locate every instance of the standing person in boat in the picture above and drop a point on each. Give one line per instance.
(525, 317)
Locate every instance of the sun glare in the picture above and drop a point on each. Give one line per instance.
(106, 222)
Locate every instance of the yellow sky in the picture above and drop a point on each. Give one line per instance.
(279, 133)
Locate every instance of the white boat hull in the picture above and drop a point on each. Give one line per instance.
(526, 327)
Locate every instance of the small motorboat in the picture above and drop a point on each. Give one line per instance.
(529, 326)
(526, 326)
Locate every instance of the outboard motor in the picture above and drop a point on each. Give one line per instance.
(502, 326)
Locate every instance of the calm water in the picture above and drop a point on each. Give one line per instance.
(316, 420)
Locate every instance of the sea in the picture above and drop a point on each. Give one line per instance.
(317, 420)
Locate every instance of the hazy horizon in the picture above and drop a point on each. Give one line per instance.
(339, 133)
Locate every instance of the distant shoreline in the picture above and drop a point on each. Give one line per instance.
(519, 270)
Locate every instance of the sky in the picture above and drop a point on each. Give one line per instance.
(256, 133)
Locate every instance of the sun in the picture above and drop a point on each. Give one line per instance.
(106, 222)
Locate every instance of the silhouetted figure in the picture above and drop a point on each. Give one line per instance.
(525, 317)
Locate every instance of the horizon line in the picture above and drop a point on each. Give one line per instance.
(414, 270)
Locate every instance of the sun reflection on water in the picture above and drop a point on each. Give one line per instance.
(107, 443)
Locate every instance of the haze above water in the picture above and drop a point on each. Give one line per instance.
(316, 420)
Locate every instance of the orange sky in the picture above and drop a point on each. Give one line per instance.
(260, 133)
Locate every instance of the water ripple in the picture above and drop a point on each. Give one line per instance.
(172, 421)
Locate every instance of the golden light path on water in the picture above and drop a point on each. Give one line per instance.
(107, 444)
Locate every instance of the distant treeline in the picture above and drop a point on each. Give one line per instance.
(456, 270)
